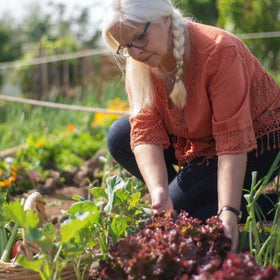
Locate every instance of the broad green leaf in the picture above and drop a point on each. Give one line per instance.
(114, 183)
(98, 192)
(35, 265)
(118, 227)
(33, 234)
(78, 198)
(135, 198)
(16, 213)
(81, 207)
(43, 236)
(70, 228)
(85, 238)
(123, 195)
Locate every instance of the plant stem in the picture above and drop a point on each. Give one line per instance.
(3, 240)
(7, 251)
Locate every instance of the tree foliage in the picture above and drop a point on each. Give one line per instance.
(253, 16)
(10, 43)
(204, 11)
(52, 25)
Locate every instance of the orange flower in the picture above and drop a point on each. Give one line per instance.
(71, 127)
(4, 184)
(40, 143)
(14, 171)
(12, 179)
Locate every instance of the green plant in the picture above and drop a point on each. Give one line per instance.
(120, 209)
(19, 120)
(264, 241)
(60, 152)
(9, 232)
(93, 225)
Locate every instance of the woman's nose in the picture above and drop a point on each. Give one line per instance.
(135, 52)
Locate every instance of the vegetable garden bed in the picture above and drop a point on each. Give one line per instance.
(108, 227)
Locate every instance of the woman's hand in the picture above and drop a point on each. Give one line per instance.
(151, 162)
(160, 199)
(229, 221)
(231, 173)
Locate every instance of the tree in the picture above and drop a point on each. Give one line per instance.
(250, 16)
(204, 11)
(10, 42)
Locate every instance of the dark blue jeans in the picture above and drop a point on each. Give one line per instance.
(194, 188)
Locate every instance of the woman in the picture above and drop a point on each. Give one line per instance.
(200, 100)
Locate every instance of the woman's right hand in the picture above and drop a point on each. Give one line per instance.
(161, 199)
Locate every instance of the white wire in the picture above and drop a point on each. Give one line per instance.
(52, 58)
(261, 35)
(91, 52)
(60, 105)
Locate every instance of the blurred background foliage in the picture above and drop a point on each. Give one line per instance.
(93, 80)
(22, 37)
(55, 33)
(253, 16)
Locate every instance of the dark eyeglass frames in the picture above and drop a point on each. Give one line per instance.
(139, 42)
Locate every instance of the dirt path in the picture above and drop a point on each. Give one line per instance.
(60, 200)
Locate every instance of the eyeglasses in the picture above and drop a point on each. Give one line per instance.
(139, 42)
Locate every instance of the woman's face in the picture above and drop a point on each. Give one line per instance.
(159, 42)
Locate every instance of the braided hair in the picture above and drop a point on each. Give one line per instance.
(179, 92)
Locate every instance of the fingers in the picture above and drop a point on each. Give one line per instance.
(161, 201)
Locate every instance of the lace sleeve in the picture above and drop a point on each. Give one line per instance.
(147, 128)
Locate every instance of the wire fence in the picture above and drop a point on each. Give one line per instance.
(92, 52)
(52, 58)
(81, 54)
(260, 35)
(61, 105)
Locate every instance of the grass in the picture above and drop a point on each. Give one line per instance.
(19, 120)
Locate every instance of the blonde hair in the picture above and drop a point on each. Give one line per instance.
(137, 73)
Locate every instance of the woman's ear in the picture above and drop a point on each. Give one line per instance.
(167, 21)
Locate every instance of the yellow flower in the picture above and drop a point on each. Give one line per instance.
(115, 105)
(5, 183)
(1, 171)
(99, 119)
(71, 127)
(12, 179)
(40, 143)
(14, 171)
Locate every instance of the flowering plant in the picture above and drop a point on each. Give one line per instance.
(8, 175)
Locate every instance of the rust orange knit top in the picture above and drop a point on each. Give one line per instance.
(232, 101)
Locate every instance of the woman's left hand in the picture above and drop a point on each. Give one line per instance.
(229, 221)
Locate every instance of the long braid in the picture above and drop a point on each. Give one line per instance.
(179, 92)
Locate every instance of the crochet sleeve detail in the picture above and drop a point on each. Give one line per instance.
(147, 128)
(235, 139)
